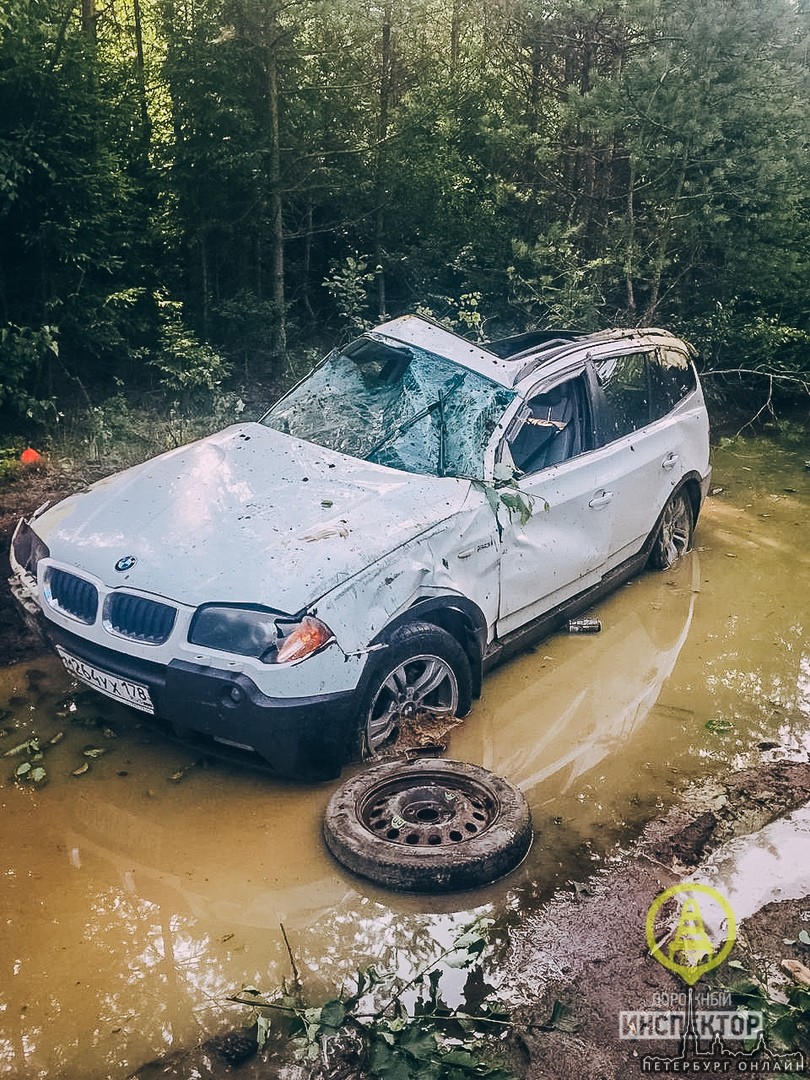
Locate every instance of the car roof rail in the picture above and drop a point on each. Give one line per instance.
(510, 348)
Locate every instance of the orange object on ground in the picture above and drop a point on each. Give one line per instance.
(30, 456)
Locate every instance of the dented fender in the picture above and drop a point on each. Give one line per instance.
(457, 557)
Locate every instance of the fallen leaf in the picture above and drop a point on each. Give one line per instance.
(94, 751)
(19, 748)
(797, 969)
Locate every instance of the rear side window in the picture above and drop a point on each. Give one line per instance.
(673, 377)
(625, 384)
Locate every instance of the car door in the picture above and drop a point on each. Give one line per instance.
(556, 548)
(640, 460)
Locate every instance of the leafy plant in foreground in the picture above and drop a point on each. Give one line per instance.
(389, 1027)
(785, 1015)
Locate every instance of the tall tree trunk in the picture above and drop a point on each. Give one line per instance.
(146, 128)
(307, 267)
(455, 33)
(381, 158)
(89, 16)
(205, 286)
(664, 230)
(278, 344)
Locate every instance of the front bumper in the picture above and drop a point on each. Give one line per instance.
(304, 738)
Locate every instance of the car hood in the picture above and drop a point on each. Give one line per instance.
(248, 515)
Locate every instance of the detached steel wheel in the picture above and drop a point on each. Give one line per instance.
(428, 826)
(674, 536)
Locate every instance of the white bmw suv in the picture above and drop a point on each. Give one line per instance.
(416, 509)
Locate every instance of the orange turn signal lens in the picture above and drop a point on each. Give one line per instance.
(305, 639)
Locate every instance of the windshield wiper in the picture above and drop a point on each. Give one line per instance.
(406, 425)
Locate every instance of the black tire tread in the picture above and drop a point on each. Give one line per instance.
(472, 863)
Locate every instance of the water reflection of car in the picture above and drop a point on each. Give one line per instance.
(414, 510)
(562, 724)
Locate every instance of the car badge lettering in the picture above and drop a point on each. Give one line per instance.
(126, 562)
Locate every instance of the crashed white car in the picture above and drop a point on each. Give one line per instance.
(417, 508)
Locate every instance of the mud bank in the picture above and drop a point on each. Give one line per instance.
(20, 495)
(582, 960)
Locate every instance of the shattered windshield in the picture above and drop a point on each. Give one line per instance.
(397, 405)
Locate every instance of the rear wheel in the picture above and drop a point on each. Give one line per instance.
(423, 676)
(674, 536)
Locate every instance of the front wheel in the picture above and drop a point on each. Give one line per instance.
(674, 536)
(423, 676)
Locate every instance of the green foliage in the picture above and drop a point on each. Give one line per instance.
(502, 165)
(23, 351)
(189, 370)
(245, 324)
(751, 355)
(505, 492)
(31, 771)
(123, 430)
(9, 462)
(348, 283)
(554, 283)
(463, 315)
(387, 1038)
(786, 1017)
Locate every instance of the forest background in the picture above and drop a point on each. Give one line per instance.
(201, 195)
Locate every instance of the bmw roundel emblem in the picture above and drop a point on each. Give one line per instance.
(125, 563)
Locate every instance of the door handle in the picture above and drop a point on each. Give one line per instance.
(670, 462)
(600, 500)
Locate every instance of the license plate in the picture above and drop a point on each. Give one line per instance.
(130, 693)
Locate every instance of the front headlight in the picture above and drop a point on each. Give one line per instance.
(259, 632)
(28, 548)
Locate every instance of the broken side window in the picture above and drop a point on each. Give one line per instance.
(673, 377)
(551, 428)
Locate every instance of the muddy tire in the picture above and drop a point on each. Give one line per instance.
(674, 536)
(428, 826)
(423, 674)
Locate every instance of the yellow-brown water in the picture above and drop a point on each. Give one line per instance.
(137, 895)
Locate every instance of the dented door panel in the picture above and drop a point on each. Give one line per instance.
(560, 549)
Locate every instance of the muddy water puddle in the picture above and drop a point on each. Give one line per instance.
(142, 886)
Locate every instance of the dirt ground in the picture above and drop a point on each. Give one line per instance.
(588, 952)
(580, 959)
(21, 493)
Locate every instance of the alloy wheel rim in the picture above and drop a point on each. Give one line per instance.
(423, 686)
(675, 530)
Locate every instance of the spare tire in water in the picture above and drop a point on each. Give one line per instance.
(428, 825)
